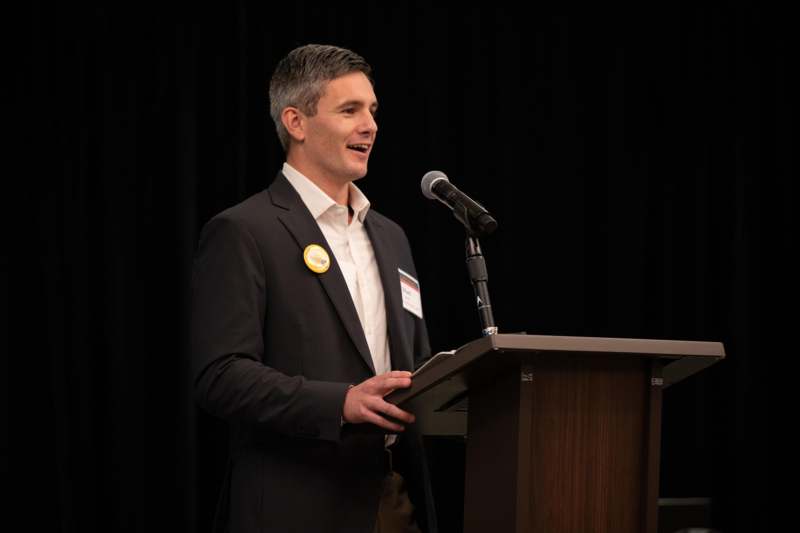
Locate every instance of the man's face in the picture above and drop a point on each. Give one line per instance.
(339, 138)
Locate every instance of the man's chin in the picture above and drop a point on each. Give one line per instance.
(359, 173)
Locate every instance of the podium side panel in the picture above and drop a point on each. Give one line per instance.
(563, 443)
(490, 489)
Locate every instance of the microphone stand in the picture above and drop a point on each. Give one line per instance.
(476, 267)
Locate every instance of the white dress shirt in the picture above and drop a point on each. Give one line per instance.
(353, 251)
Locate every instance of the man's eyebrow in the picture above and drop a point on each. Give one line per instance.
(357, 103)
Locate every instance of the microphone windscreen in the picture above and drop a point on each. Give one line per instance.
(428, 180)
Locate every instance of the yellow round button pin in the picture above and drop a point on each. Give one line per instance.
(316, 258)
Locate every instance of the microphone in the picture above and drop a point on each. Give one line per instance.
(475, 218)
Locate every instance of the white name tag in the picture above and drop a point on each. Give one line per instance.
(409, 287)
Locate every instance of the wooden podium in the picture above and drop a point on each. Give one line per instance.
(563, 433)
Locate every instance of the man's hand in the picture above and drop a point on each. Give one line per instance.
(364, 402)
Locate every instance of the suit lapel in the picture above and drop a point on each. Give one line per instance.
(390, 279)
(305, 230)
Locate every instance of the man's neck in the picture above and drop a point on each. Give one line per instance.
(339, 192)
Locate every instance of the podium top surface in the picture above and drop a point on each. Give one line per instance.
(681, 358)
(549, 343)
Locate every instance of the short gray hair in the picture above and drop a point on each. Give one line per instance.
(300, 77)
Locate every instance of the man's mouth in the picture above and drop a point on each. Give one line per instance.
(363, 148)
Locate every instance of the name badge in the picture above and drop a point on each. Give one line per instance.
(409, 287)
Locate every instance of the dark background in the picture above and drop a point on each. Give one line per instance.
(639, 163)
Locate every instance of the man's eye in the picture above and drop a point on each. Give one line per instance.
(350, 110)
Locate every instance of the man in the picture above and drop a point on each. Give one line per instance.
(300, 327)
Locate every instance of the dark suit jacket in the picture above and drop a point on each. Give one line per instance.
(275, 347)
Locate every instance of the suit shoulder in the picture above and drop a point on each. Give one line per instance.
(249, 213)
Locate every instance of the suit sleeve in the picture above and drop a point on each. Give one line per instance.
(228, 311)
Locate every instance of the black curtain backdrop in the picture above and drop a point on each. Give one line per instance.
(639, 163)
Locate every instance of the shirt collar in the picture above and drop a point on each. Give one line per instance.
(317, 201)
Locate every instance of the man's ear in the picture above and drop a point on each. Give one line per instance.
(295, 123)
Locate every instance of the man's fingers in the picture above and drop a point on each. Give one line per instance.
(382, 422)
(365, 403)
(383, 408)
(390, 384)
(379, 419)
(398, 414)
(386, 383)
(397, 374)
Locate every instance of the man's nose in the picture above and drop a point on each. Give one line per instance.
(368, 123)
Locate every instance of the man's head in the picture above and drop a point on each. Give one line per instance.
(323, 105)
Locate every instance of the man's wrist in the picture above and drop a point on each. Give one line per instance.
(343, 421)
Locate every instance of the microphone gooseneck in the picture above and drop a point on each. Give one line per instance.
(478, 222)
